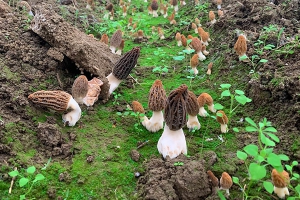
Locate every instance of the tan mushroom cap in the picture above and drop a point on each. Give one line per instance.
(116, 39)
(121, 47)
(175, 111)
(104, 38)
(192, 106)
(200, 31)
(55, 100)
(130, 20)
(124, 8)
(240, 46)
(205, 98)
(183, 40)
(171, 17)
(189, 37)
(174, 2)
(280, 179)
(204, 36)
(197, 21)
(157, 97)
(223, 119)
(154, 5)
(109, 7)
(210, 65)
(194, 26)
(140, 33)
(194, 61)
(211, 15)
(220, 13)
(214, 180)
(226, 181)
(219, 2)
(178, 36)
(80, 88)
(137, 107)
(196, 44)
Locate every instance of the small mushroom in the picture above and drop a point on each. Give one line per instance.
(203, 99)
(213, 180)
(156, 103)
(154, 7)
(184, 42)
(94, 89)
(212, 17)
(138, 108)
(209, 67)
(204, 50)
(122, 68)
(280, 180)
(240, 46)
(194, 27)
(220, 13)
(160, 33)
(58, 101)
(219, 2)
(192, 109)
(205, 38)
(115, 40)
(223, 120)
(225, 182)
(104, 39)
(197, 46)
(80, 88)
(197, 21)
(178, 39)
(194, 63)
(120, 48)
(174, 4)
(172, 18)
(124, 9)
(172, 141)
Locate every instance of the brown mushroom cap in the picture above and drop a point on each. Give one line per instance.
(210, 65)
(157, 97)
(189, 37)
(104, 39)
(223, 119)
(56, 100)
(200, 31)
(196, 44)
(194, 61)
(116, 39)
(80, 87)
(140, 33)
(171, 17)
(154, 5)
(178, 36)
(175, 110)
(241, 45)
(121, 47)
(280, 179)
(211, 15)
(174, 2)
(219, 2)
(130, 20)
(109, 7)
(192, 106)
(220, 13)
(226, 181)
(214, 180)
(137, 107)
(183, 40)
(205, 98)
(194, 26)
(204, 36)
(124, 66)
(197, 21)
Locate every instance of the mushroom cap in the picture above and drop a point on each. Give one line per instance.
(280, 179)
(116, 39)
(121, 47)
(80, 87)
(219, 2)
(204, 36)
(124, 8)
(194, 61)
(197, 21)
(160, 31)
(140, 33)
(171, 17)
(210, 65)
(220, 13)
(194, 26)
(137, 107)
(125, 64)
(214, 180)
(178, 36)
(157, 97)
(192, 106)
(174, 2)
(205, 98)
(200, 31)
(223, 119)
(226, 181)
(203, 48)
(211, 15)
(183, 40)
(153, 28)
(175, 110)
(189, 37)
(56, 100)
(130, 20)
(196, 44)
(109, 7)
(240, 46)
(104, 39)
(154, 5)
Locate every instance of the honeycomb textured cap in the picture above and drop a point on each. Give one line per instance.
(196, 44)
(192, 106)
(174, 2)
(214, 180)
(125, 64)
(211, 15)
(226, 181)
(154, 5)
(80, 87)
(178, 36)
(55, 100)
(240, 46)
(175, 111)
(223, 119)
(116, 39)
(157, 97)
(183, 40)
(194, 61)
(109, 7)
(204, 98)
(280, 179)
(137, 107)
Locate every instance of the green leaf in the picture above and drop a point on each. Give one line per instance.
(13, 173)
(270, 129)
(256, 171)
(268, 186)
(291, 198)
(178, 58)
(242, 99)
(250, 121)
(22, 197)
(269, 150)
(241, 155)
(288, 167)
(239, 92)
(218, 106)
(225, 86)
(283, 157)
(31, 170)
(23, 181)
(259, 158)
(244, 57)
(279, 168)
(235, 180)
(220, 194)
(225, 93)
(267, 141)
(236, 130)
(297, 188)
(273, 136)
(251, 129)
(274, 160)
(294, 163)
(251, 149)
(188, 51)
(39, 177)
(296, 175)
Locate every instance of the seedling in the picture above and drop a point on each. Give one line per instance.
(178, 164)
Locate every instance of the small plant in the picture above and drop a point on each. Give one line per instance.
(178, 164)
(137, 115)
(27, 179)
(160, 69)
(116, 97)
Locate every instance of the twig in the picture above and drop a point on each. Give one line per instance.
(12, 182)
(134, 79)
(143, 144)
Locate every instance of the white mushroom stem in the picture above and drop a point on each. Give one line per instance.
(119, 52)
(113, 49)
(145, 121)
(124, 14)
(212, 108)
(193, 122)
(219, 7)
(202, 112)
(162, 37)
(176, 8)
(281, 192)
(195, 70)
(183, 3)
(172, 143)
(156, 122)
(205, 52)
(196, 30)
(111, 18)
(154, 13)
(179, 43)
(213, 21)
(224, 128)
(113, 82)
(205, 43)
(201, 56)
(74, 115)
(166, 15)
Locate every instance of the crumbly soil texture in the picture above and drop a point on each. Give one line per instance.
(25, 61)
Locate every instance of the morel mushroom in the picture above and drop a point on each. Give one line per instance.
(240, 46)
(150, 11)
(220, 13)
(209, 67)
(219, 2)
(94, 89)
(203, 99)
(23, 5)
(120, 48)
(138, 108)
(156, 103)
(192, 109)
(104, 39)
(204, 50)
(124, 9)
(226, 182)
(205, 38)
(184, 42)
(281, 181)
(213, 180)
(154, 7)
(178, 39)
(80, 88)
(197, 46)
(212, 17)
(197, 21)
(160, 33)
(172, 141)
(194, 63)
(122, 68)
(194, 27)
(115, 40)
(58, 101)
(223, 121)
(174, 4)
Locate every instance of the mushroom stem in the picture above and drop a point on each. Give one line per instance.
(281, 192)
(219, 7)
(154, 13)
(195, 70)
(211, 108)
(193, 123)
(176, 8)
(156, 121)
(213, 21)
(202, 112)
(201, 56)
(205, 52)
(179, 43)
(119, 52)
(145, 121)
(72, 117)
(172, 143)
(113, 82)
(224, 128)
(113, 49)
(196, 30)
